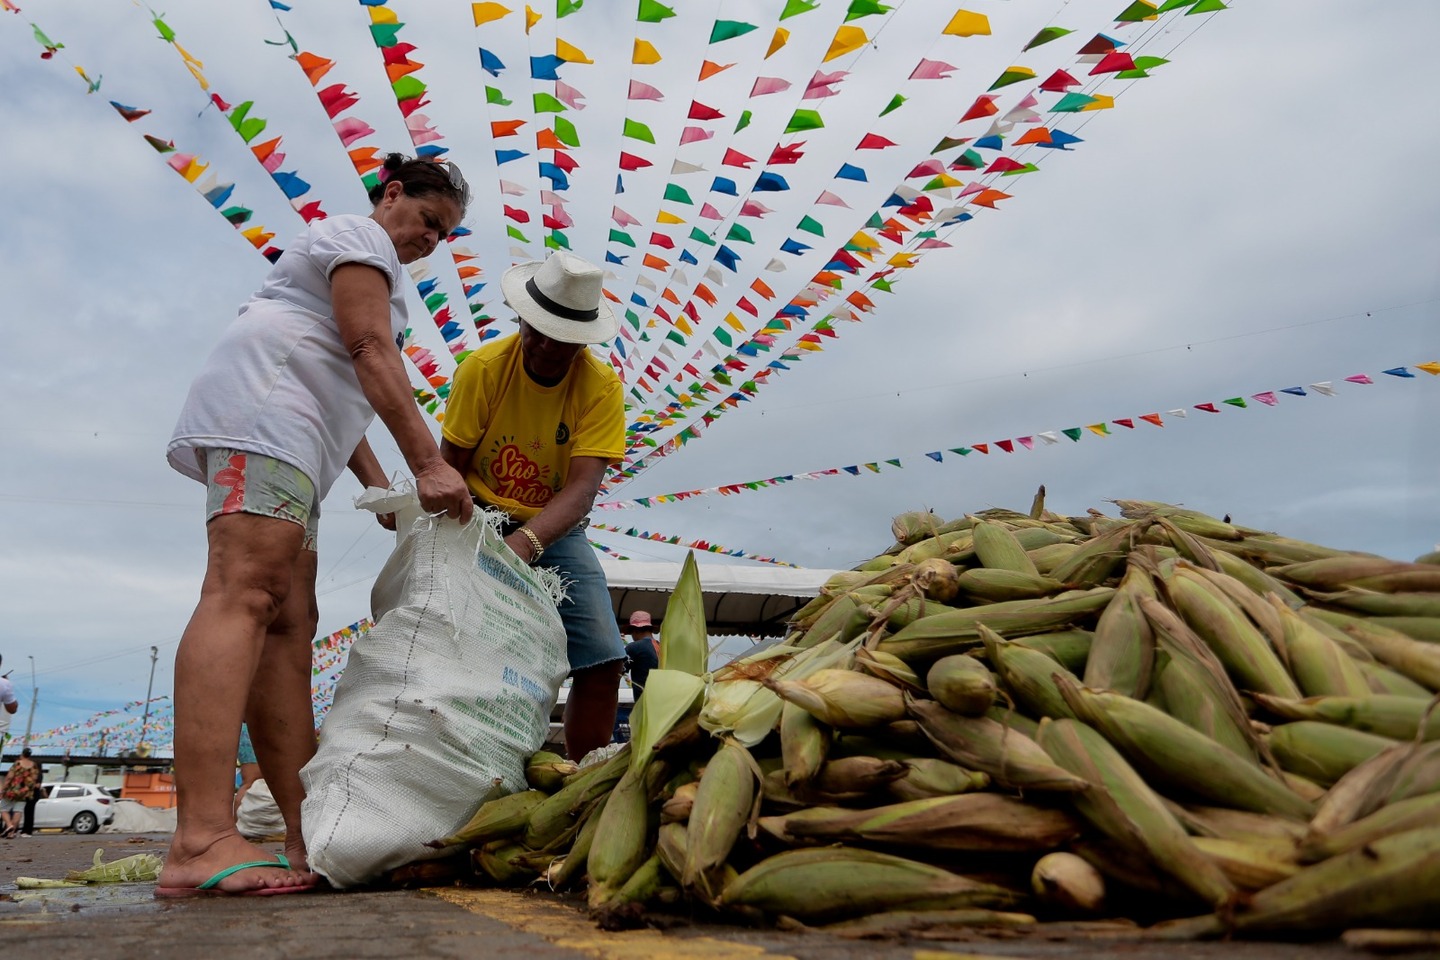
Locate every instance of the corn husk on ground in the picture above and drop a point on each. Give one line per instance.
(1153, 716)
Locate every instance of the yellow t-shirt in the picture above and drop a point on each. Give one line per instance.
(524, 434)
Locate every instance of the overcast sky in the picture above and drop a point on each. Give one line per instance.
(1258, 214)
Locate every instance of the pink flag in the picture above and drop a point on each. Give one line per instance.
(710, 213)
(754, 208)
(931, 70)
(931, 168)
(552, 199)
(643, 91)
(420, 130)
(1268, 398)
(1359, 378)
(827, 197)
(511, 188)
(764, 85)
(695, 134)
(351, 129)
(568, 95)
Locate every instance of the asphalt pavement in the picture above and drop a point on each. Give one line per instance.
(122, 921)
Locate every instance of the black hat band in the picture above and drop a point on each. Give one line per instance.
(559, 309)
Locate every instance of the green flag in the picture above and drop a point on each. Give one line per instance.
(676, 193)
(545, 103)
(636, 130)
(493, 95)
(810, 225)
(793, 8)
(1072, 432)
(408, 88)
(729, 30)
(805, 120)
(893, 105)
(563, 8)
(1047, 34)
(515, 233)
(864, 8)
(744, 121)
(701, 236)
(738, 232)
(565, 132)
(620, 236)
(653, 12)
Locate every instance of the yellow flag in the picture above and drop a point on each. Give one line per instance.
(531, 18)
(487, 12)
(782, 37)
(864, 241)
(193, 170)
(847, 40)
(570, 53)
(645, 52)
(1101, 102)
(733, 322)
(967, 24)
(1430, 366)
(383, 15)
(683, 325)
(667, 217)
(902, 261)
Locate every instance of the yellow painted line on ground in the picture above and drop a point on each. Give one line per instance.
(571, 930)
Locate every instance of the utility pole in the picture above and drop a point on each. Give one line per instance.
(34, 698)
(145, 721)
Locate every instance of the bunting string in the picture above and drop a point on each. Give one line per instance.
(912, 204)
(704, 545)
(1099, 428)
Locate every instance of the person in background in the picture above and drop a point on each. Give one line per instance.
(275, 415)
(247, 768)
(642, 653)
(533, 421)
(27, 828)
(18, 788)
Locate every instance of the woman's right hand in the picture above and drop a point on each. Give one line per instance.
(442, 489)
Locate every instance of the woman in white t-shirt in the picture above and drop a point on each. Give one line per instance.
(276, 413)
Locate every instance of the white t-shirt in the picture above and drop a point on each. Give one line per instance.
(7, 695)
(280, 381)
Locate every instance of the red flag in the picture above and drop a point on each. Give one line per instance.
(984, 106)
(628, 161)
(873, 141)
(734, 158)
(698, 111)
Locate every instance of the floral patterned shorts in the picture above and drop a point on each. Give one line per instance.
(240, 482)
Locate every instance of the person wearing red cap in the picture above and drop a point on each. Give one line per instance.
(642, 653)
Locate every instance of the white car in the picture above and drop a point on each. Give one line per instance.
(82, 807)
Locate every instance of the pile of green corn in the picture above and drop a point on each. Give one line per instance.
(1015, 717)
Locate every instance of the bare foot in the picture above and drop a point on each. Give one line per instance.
(299, 859)
(190, 864)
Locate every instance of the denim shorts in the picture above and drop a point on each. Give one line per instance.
(240, 482)
(591, 633)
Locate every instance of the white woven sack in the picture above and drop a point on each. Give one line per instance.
(441, 703)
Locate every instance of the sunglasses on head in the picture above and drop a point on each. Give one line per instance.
(457, 179)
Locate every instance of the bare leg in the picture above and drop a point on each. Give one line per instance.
(590, 709)
(282, 722)
(247, 578)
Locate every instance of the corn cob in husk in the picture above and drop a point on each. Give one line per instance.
(1120, 805)
(833, 882)
(1322, 752)
(1181, 757)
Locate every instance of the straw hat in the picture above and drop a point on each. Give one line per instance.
(561, 297)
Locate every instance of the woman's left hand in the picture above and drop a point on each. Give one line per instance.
(387, 520)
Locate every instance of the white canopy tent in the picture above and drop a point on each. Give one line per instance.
(751, 601)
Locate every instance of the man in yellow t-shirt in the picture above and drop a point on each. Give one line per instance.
(532, 422)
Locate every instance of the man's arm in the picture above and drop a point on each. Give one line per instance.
(12, 706)
(564, 510)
